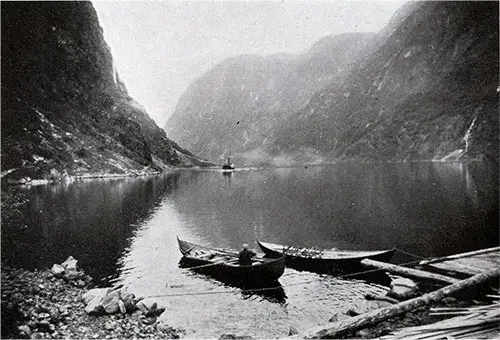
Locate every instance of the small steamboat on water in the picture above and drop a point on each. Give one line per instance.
(228, 166)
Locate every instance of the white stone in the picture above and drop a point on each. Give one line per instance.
(57, 270)
(403, 288)
(110, 302)
(121, 305)
(70, 263)
(96, 293)
(94, 307)
(25, 329)
(109, 325)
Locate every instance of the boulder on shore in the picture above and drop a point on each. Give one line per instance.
(149, 308)
(70, 263)
(403, 288)
(57, 270)
(101, 301)
(128, 300)
(68, 270)
(110, 303)
(72, 274)
(93, 300)
(95, 293)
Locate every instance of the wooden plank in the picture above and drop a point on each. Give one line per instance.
(457, 256)
(454, 328)
(337, 329)
(457, 269)
(408, 272)
(470, 265)
(381, 298)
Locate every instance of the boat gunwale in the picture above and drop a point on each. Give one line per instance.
(233, 256)
(357, 255)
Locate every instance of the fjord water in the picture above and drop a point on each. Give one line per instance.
(123, 232)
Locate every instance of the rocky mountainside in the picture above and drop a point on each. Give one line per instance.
(234, 107)
(64, 108)
(424, 88)
(428, 91)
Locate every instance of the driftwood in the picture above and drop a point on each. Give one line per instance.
(458, 256)
(356, 323)
(408, 272)
(381, 298)
(481, 322)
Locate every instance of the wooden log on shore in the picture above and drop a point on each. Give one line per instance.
(356, 323)
(408, 272)
(458, 256)
(381, 298)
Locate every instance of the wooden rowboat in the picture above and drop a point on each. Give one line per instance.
(324, 261)
(224, 264)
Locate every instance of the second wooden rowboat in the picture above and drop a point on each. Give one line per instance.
(324, 261)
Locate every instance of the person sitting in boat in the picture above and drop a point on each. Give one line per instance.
(245, 255)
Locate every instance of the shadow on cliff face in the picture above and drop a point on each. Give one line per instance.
(64, 108)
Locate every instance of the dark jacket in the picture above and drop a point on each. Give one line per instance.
(245, 257)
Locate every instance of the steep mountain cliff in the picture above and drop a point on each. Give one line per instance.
(234, 107)
(64, 108)
(424, 88)
(428, 91)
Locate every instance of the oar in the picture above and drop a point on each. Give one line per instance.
(184, 252)
(210, 264)
(221, 251)
(215, 249)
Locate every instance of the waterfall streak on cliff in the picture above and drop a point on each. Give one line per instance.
(468, 134)
(114, 73)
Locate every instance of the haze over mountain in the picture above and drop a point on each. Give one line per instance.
(236, 105)
(425, 88)
(64, 108)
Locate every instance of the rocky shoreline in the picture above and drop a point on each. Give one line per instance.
(51, 305)
(26, 180)
(41, 305)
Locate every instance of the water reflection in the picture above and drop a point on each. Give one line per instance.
(274, 293)
(269, 291)
(424, 208)
(123, 231)
(91, 220)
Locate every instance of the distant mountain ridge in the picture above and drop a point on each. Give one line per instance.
(236, 105)
(429, 92)
(424, 88)
(65, 110)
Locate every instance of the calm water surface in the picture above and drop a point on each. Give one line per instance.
(123, 232)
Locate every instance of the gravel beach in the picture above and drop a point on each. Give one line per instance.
(39, 305)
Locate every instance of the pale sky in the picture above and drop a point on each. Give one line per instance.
(161, 47)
